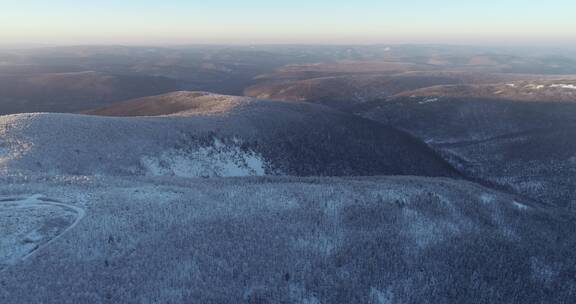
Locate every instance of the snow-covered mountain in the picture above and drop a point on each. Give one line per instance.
(204, 134)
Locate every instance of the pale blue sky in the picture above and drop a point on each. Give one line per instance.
(295, 21)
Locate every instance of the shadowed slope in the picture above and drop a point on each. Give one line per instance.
(518, 135)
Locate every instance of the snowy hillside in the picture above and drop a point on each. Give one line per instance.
(215, 136)
(544, 90)
(279, 240)
(524, 140)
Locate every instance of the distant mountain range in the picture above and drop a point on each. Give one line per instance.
(74, 91)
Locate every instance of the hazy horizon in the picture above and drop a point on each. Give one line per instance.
(65, 22)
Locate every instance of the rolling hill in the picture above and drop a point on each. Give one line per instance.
(559, 89)
(346, 91)
(343, 91)
(212, 135)
(517, 135)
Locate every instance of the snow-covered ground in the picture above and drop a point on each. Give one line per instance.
(564, 86)
(214, 160)
(293, 240)
(428, 100)
(31, 222)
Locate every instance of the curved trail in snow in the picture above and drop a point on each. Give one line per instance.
(41, 201)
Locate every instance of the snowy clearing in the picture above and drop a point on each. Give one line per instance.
(216, 160)
(29, 223)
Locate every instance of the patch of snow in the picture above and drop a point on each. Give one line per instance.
(529, 186)
(487, 198)
(381, 297)
(425, 232)
(563, 86)
(33, 237)
(428, 100)
(216, 160)
(519, 205)
(512, 85)
(534, 86)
